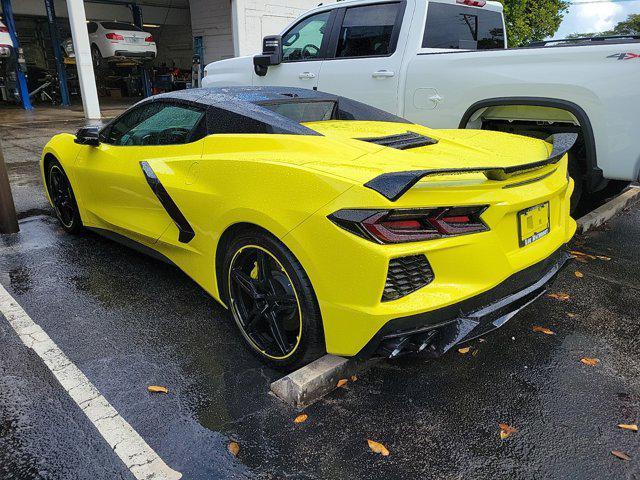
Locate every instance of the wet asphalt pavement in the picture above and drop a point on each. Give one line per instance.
(128, 321)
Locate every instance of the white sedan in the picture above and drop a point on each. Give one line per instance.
(6, 44)
(119, 40)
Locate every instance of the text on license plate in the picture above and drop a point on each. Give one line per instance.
(533, 223)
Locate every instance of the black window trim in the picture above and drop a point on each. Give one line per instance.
(103, 135)
(337, 26)
(325, 39)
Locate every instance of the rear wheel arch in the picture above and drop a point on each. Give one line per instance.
(587, 157)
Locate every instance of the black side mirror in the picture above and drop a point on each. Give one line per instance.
(88, 136)
(271, 54)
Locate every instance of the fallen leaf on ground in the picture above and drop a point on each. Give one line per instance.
(544, 330)
(342, 382)
(354, 378)
(592, 362)
(627, 426)
(301, 418)
(234, 448)
(464, 350)
(578, 254)
(602, 257)
(620, 455)
(157, 389)
(475, 353)
(378, 448)
(559, 296)
(506, 430)
(572, 315)
(579, 274)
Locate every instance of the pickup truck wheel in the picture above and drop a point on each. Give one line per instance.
(575, 172)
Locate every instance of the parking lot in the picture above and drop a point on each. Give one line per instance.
(128, 321)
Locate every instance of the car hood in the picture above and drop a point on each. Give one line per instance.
(451, 149)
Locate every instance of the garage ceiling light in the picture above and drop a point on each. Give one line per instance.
(150, 25)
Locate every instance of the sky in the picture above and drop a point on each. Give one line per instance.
(595, 16)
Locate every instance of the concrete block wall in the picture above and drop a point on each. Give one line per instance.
(211, 19)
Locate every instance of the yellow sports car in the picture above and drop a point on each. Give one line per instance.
(323, 224)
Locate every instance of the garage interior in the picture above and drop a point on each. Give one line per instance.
(54, 64)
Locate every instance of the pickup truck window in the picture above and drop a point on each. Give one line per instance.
(459, 27)
(304, 40)
(368, 30)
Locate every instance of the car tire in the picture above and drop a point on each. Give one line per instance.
(575, 172)
(272, 301)
(96, 56)
(63, 198)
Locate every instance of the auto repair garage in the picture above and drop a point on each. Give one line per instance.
(95, 54)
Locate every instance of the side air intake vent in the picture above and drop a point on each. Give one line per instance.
(402, 141)
(406, 275)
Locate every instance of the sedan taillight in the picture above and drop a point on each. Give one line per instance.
(114, 36)
(411, 225)
(4, 29)
(149, 39)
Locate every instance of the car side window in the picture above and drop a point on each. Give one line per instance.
(92, 27)
(460, 27)
(304, 40)
(158, 123)
(368, 30)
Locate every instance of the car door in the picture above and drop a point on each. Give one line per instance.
(364, 54)
(115, 190)
(303, 49)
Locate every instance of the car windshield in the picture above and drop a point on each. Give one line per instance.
(304, 111)
(120, 26)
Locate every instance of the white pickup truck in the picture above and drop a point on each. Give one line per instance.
(445, 64)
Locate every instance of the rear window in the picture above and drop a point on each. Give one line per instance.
(120, 26)
(460, 27)
(304, 111)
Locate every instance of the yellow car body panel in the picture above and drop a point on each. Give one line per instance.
(290, 184)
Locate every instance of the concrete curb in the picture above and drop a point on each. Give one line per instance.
(605, 212)
(312, 382)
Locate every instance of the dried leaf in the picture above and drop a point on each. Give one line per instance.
(577, 254)
(157, 389)
(602, 257)
(464, 350)
(579, 274)
(378, 448)
(620, 455)
(474, 353)
(234, 448)
(301, 418)
(354, 378)
(544, 330)
(572, 315)
(592, 362)
(506, 430)
(628, 426)
(342, 382)
(559, 296)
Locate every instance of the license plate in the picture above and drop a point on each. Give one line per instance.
(133, 40)
(533, 223)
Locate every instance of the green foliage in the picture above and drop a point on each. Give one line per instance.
(531, 20)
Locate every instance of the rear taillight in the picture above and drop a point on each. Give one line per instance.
(414, 225)
(4, 29)
(114, 36)
(149, 39)
(472, 3)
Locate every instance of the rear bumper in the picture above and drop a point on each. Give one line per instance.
(435, 332)
(118, 54)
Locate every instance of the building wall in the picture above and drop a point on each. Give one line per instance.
(211, 19)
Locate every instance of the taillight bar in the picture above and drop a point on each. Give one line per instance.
(4, 30)
(114, 36)
(411, 225)
(472, 3)
(149, 39)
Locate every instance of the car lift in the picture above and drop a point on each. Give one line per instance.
(136, 12)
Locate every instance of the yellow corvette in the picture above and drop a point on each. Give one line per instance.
(323, 224)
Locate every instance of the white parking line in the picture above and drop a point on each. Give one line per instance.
(140, 459)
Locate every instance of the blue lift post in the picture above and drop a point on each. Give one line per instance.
(55, 43)
(22, 80)
(138, 22)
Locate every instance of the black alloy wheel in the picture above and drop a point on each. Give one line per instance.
(272, 302)
(64, 202)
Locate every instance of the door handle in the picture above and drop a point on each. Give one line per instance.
(307, 75)
(383, 74)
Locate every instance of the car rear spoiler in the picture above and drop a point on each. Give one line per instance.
(395, 184)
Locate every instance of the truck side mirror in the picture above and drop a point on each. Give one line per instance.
(271, 54)
(88, 136)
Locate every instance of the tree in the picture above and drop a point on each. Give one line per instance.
(531, 20)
